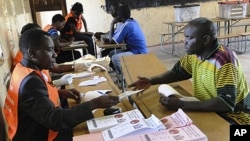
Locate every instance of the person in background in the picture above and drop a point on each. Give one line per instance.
(58, 22)
(129, 32)
(73, 26)
(217, 78)
(32, 107)
(57, 68)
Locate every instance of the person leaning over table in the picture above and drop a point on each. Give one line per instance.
(57, 68)
(58, 22)
(129, 32)
(73, 27)
(218, 80)
(32, 107)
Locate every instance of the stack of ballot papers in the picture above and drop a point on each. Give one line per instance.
(166, 90)
(175, 127)
(101, 123)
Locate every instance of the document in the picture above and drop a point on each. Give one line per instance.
(93, 81)
(166, 90)
(132, 127)
(128, 93)
(101, 123)
(178, 127)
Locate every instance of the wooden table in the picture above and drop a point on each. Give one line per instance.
(215, 127)
(103, 46)
(108, 85)
(76, 45)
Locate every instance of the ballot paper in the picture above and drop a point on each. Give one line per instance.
(82, 74)
(128, 93)
(94, 94)
(93, 81)
(133, 127)
(101, 123)
(166, 90)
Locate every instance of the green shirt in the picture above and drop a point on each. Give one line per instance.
(219, 75)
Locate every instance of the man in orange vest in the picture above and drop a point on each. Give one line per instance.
(58, 22)
(73, 26)
(32, 107)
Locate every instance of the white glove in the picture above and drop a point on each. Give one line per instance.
(64, 80)
(82, 66)
(92, 66)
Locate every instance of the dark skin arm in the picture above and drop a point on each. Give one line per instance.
(61, 68)
(172, 102)
(212, 105)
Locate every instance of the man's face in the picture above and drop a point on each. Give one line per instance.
(194, 42)
(45, 55)
(61, 25)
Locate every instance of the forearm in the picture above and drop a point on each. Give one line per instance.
(212, 105)
(164, 78)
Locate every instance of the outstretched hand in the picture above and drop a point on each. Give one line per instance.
(141, 83)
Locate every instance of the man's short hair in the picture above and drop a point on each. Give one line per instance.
(33, 39)
(77, 7)
(57, 18)
(29, 26)
(123, 12)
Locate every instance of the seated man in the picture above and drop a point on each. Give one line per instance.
(73, 26)
(218, 80)
(129, 32)
(58, 22)
(32, 106)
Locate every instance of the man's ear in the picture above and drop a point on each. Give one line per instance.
(206, 39)
(31, 53)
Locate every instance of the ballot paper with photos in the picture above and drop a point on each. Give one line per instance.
(133, 127)
(166, 90)
(101, 123)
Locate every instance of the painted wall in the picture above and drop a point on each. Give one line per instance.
(150, 19)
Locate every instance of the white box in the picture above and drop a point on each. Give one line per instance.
(187, 13)
(232, 9)
(248, 9)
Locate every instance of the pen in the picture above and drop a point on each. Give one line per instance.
(100, 92)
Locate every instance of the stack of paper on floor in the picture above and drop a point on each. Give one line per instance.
(133, 127)
(105, 122)
(167, 90)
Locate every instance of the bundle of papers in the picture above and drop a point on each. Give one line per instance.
(106, 122)
(166, 90)
(132, 127)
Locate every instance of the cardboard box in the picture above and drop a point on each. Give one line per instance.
(232, 9)
(187, 13)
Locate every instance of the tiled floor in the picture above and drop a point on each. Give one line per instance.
(169, 60)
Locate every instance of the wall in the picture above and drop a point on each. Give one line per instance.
(150, 19)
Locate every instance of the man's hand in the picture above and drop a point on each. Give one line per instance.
(171, 102)
(70, 93)
(105, 101)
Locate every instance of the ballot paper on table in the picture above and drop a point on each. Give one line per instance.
(167, 90)
(82, 74)
(94, 94)
(93, 81)
(128, 93)
(133, 127)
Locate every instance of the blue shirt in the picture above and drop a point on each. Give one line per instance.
(131, 33)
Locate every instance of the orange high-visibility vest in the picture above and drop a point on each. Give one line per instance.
(78, 21)
(11, 101)
(19, 57)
